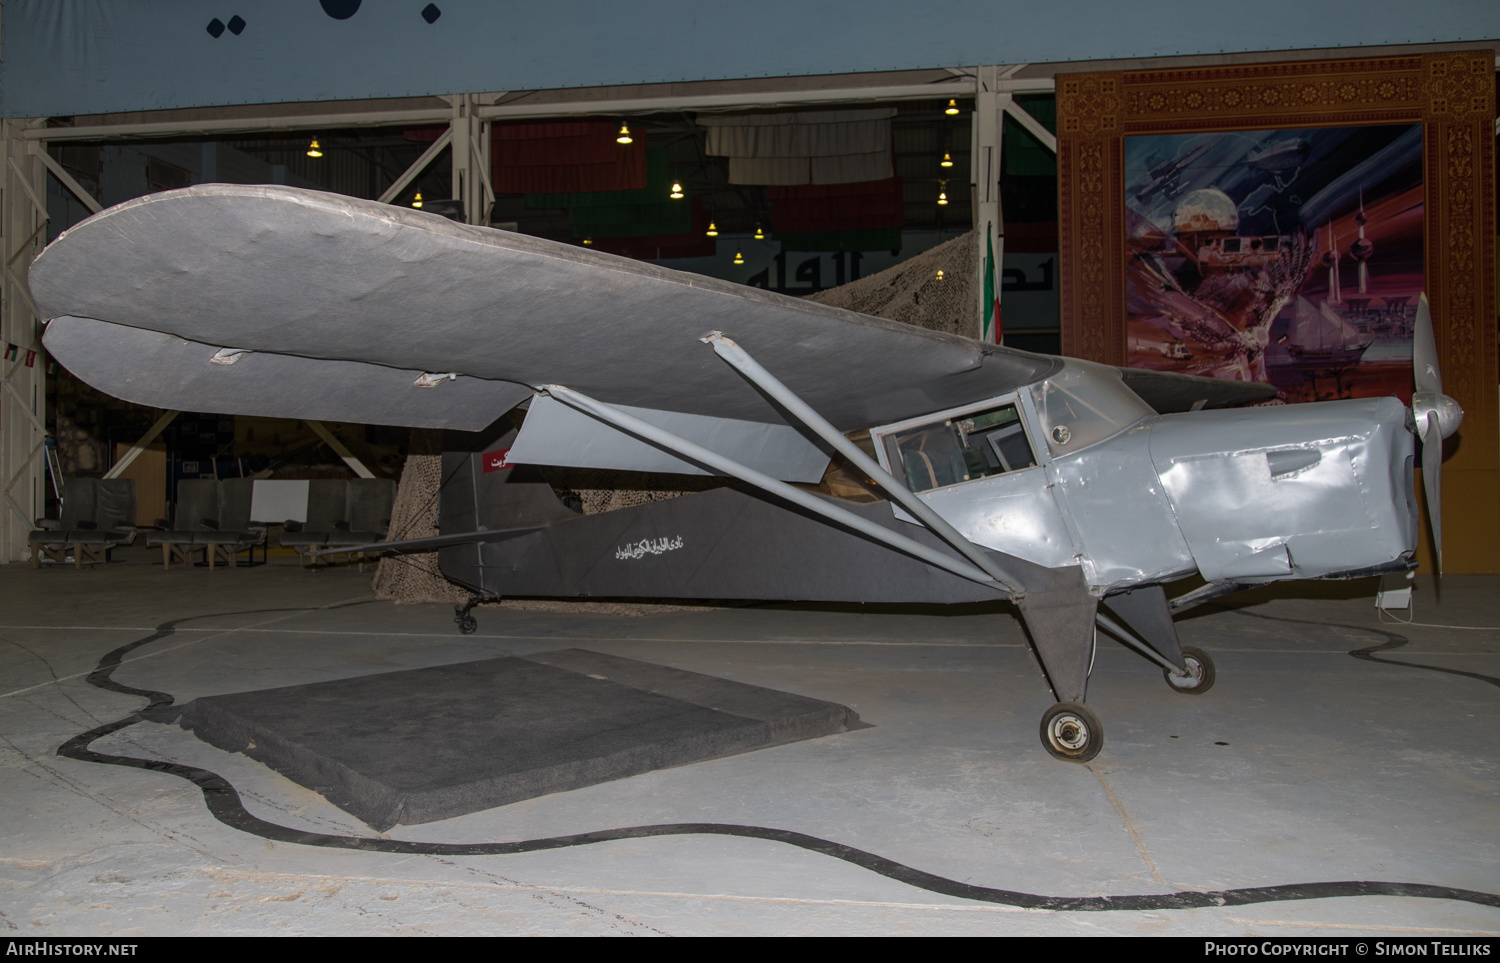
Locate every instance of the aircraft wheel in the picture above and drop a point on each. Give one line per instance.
(467, 624)
(1200, 677)
(1072, 732)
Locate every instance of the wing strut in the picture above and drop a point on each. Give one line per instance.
(728, 466)
(740, 359)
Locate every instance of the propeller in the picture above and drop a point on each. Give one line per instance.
(1437, 416)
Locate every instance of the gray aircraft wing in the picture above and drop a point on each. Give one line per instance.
(265, 300)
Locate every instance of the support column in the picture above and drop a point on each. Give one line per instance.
(987, 126)
(23, 233)
(471, 159)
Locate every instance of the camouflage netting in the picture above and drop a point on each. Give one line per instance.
(415, 577)
(910, 292)
(602, 491)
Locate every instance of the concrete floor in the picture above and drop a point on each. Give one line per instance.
(1302, 766)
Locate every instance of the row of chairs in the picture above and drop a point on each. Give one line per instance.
(97, 515)
(213, 517)
(342, 514)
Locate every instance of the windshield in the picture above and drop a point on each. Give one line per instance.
(959, 449)
(1084, 403)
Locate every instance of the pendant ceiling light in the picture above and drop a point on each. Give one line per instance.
(713, 229)
(417, 201)
(759, 234)
(677, 190)
(738, 257)
(947, 160)
(952, 108)
(313, 150)
(942, 193)
(624, 135)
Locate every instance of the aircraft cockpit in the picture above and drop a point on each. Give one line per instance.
(1083, 403)
(960, 448)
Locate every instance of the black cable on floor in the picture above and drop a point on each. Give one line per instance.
(224, 804)
(1367, 654)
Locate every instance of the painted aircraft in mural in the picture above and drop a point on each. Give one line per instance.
(1077, 491)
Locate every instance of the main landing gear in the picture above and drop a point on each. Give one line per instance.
(1071, 731)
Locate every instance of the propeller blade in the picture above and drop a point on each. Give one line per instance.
(1432, 482)
(1424, 356)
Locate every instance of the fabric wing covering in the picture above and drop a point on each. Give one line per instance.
(279, 271)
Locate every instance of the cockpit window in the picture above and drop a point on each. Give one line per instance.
(954, 450)
(1084, 403)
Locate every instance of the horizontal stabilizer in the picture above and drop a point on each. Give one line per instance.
(556, 434)
(431, 544)
(163, 371)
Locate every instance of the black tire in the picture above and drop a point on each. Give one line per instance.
(1071, 732)
(1200, 672)
(467, 624)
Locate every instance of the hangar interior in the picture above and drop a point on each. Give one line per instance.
(1338, 780)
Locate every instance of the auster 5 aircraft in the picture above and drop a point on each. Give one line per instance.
(1076, 490)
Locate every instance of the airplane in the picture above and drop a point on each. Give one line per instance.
(1075, 490)
(1166, 176)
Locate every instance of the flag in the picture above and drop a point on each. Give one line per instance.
(10, 352)
(990, 329)
(30, 358)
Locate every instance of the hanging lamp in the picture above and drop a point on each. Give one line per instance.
(713, 229)
(952, 108)
(738, 257)
(677, 190)
(417, 201)
(947, 160)
(313, 150)
(624, 136)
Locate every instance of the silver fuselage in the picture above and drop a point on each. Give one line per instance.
(1252, 494)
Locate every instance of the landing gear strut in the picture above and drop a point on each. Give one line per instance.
(467, 624)
(1071, 731)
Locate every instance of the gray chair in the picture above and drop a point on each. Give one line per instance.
(97, 515)
(327, 514)
(197, 513)
(235, 532)
(367, 516)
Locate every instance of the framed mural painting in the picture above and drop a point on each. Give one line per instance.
(1277, 223)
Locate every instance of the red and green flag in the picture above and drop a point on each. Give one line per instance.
(991, 327)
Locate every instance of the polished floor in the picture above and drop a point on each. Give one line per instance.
(1342, 776)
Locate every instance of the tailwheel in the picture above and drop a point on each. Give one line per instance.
(1072, 732)
(466, 622)
(1200, 672)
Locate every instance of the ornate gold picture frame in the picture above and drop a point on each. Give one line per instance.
(1452, 95)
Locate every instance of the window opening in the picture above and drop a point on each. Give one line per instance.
(955, 450)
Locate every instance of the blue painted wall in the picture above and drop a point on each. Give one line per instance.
(61, 57)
